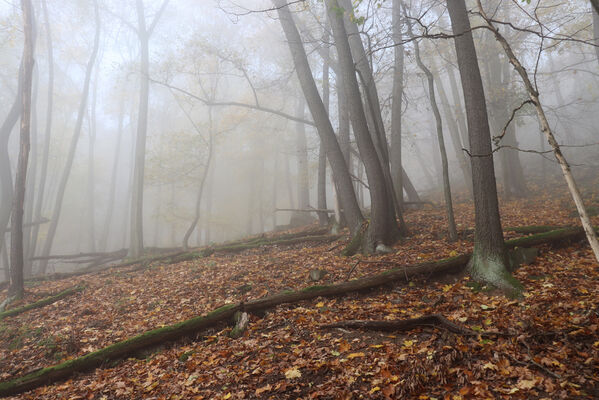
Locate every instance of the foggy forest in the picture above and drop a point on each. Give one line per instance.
(299, 199)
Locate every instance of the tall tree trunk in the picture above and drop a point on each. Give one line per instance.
(341, 175)
(6, 182)
(47, 133)
(396, 102)
(458, 108)
(454, 132)
(596, 31)
(372, 108)
(16, 288)
(301, 152)
(546, 129)
(91, 178)
(489, 259)
(198, 203)
(144, 32)
(136, 226)
(208, 211)
(30, 191)
(275, 186)
(453, 234)
(288, 180)
(113, 181)
(62, 185)
(321, 193)
(383, 228)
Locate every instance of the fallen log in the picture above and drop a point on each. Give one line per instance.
(122, 252)
(533, 229)
(223, 314)
(41, 303)
(308, 210)
(115, 351)
(295, 240)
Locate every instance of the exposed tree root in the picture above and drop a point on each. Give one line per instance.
(41, 303)
(434, 320)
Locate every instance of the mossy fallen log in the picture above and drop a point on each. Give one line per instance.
(223, 314)
(41, 303)
(532, 229)
(115, 351)
(550, 237)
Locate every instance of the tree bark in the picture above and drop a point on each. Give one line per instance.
(30, 190)
(143, 33)
(301, 151)
(16, 287)
(383, 228)
(372, 109)
(454, 132)
(91, 176)
(47, 133)
(396, 102)
(325, 130)
(73, 146)
(113, 181)
(489, 260)
(323, 218)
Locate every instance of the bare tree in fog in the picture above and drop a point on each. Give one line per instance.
(16, 287)
(41, 187)
(144, 33)
(66, 172)
(324, 127)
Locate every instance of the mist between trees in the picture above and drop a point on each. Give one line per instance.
(154, 125)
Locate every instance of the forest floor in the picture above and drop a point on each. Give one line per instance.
(552, 350)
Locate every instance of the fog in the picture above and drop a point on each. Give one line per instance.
(223, 107)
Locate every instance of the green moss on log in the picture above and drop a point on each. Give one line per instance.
(532, 229)
(116, 351)
(42, 302)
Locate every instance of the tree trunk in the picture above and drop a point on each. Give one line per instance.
(73, 146)
(47, 133)
(546, 129)
(382, 227)
(596, 30)
(301, 151)
(198, 203)
(489, 260)
(91, 179)
(323, 218)
(454, 131)
(136, 227)
(397, 100)
(6, 182)
(16, 287)
(453, 234)
(30, 190)
(144, 32)
(372, 110)
(458, 108)
(113, 181)
(325, 130)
